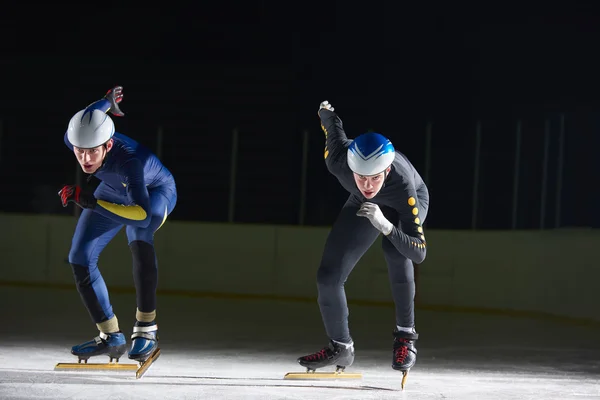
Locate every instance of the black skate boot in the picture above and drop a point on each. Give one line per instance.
(405, 352)
(334, 353)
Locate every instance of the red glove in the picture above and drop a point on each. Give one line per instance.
(73, 193)
(115, 96)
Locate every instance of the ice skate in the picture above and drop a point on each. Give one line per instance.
(335, 353)
(144, 346)
(111, 344)
(404, 353)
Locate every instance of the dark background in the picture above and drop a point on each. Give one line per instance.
(199, 71)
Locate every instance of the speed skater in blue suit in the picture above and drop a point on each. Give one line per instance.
(136, 191)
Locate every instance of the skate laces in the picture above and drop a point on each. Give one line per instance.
(401, 351)
(318, 355)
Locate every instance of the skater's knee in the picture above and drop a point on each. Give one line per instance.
(402, 274)
(141, 234)
(80, 256)
(401, 269)
(327, 276)
(404, 280)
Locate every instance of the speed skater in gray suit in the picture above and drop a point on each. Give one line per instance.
(388, 196)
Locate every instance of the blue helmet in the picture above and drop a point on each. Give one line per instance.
(370, 154)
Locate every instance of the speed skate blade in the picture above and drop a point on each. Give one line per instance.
(110, 366)
(404, 376)
(146, 364)
(322, 375)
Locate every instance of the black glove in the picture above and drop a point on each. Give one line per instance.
(73, 193)
(115, 96)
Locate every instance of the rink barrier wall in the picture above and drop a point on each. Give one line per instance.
(548, 274)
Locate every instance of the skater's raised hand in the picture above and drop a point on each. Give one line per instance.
(326, 106)
(74, 194)
(115, 96)
(374, 214)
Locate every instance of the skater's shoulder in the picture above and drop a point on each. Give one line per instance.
(402, 168)
(127, 149)
(403, 178)
(401, 163)
(125, 143)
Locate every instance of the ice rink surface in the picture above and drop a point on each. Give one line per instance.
(219, 348)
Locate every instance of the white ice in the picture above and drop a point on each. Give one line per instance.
(218, 348)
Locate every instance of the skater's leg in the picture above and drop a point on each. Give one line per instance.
(401, 270)
(145, 262)
(145, 274)
(92, 233)
(350, 237)
(402, 282)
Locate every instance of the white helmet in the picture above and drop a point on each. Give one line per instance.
(90, 128)
(370, 154)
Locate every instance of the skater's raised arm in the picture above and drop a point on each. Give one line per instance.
(337, 143)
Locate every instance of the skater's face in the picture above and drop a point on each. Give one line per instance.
(369, 186)
(91, 159)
